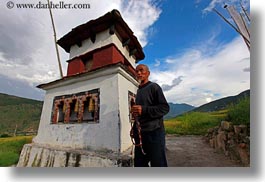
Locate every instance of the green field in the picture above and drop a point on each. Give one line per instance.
(191, 123)
(194, 123)
(197, 123)
(10, 149)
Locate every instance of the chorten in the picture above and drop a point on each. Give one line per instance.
(86, 112)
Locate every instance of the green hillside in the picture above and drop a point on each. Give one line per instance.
(20, 114)
(177, 109)
(198, 122)
(222, 103)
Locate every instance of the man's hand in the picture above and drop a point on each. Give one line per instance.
(136, 110)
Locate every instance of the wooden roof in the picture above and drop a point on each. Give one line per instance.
(112, 21)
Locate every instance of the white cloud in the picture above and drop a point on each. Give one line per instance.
(206, 76)
(27, 50)
(140, 15)
(208, 99)
(220, 3)
(157, 63)
(174, 83)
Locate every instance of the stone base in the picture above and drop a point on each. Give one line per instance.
(34, 155)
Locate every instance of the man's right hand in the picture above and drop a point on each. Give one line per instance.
(136, 110)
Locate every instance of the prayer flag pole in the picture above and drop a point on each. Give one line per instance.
(55, 41)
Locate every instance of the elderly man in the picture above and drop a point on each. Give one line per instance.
(149, 109)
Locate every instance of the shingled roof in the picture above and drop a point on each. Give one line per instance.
(112, 21)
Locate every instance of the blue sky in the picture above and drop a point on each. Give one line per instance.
(188, 47)
(192, 53)
(182, 25)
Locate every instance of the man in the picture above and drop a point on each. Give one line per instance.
(150, 107)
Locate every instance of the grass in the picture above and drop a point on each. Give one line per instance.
(194, 123)
(191, 123)
(197, 123)
(10, 149)
(240, 113)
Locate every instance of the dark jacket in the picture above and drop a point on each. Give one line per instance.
(154, 106)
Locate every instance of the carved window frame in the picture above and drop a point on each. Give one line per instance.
(76, 103)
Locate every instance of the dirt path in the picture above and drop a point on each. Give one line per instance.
(192, 151)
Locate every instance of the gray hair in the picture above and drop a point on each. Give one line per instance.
(146, 67)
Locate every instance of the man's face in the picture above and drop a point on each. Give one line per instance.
(142, 73)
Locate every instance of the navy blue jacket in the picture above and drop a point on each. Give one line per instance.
(154, 106)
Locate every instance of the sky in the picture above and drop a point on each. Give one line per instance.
(193, 54)
(9, 20)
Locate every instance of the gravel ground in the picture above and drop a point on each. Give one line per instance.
(193, 151)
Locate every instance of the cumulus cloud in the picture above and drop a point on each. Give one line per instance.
(197, 75)
(140, 15)
(205, 76)
(175, 82)
(27, 50)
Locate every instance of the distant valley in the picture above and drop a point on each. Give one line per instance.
(217, 105)
(177, 109)
(22, 115)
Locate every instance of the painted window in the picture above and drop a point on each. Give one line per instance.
(88, 62)
(80, 107)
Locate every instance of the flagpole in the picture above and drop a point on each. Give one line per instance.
(240, 23)
(245, 11)
(55, 41)
(231, 25)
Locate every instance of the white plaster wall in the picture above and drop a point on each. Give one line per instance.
(102, 39)
(125, 85)
(104, 134)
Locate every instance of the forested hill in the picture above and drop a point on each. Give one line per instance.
(221, 104)
(177, 109)
(19, 114)
(24, 114)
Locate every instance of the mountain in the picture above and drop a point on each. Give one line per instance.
(20, 88)
(177, 109)
(221, 104)
(19, 114)
(24, 114)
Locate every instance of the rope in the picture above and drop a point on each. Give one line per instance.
(137, 123)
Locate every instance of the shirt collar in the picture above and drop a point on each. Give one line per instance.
(144, 85)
